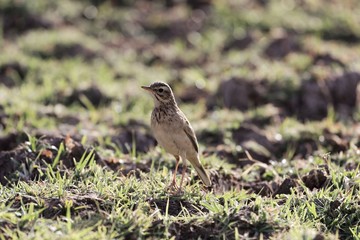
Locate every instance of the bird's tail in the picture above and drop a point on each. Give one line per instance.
(202, 174)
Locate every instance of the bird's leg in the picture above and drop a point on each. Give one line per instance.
(183, 172)
(173, 182)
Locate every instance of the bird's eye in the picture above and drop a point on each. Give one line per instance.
(160, 90)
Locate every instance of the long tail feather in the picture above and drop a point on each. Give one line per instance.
(203, 175)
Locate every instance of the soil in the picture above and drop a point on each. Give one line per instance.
(176, 206)
(310, 102)
(326, 59)
(63, 51)
(315, 179)
(250, 133)
(19, 152)
(92, 93)
(134, 134)
(53, 207)
(192, 94)
(176, 25)
(240, 43)
(316, 96)
(238, 93)
(12, 74)
(18, 20)
(282, 46)
(211, 229)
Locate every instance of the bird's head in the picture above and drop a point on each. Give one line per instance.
(161, 93)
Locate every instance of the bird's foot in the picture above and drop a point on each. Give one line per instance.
(172, 187)
(179, 191)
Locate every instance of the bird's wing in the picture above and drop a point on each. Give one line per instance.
(191, 135)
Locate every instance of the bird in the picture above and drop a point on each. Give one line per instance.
(173, 132)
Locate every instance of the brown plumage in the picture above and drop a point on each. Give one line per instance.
(173, 131)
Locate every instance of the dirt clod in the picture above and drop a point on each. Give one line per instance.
(12, 140)
(213, 229)
(335, 143)
(10, 161)
(54, 207)
(211, 138)
(177, 26)
(239, 43)
(136, 135)
(282, 46)
(327, 59)
(193, 94)
(223, 182)
(252, 139)
(195, 4)
(176, 206)
(62, 51)
(12, 74)
(238, 93)
(91, 93)
(303, 147)
(286, 186)
(17, 19)
(316, 96)
(69, 50)
(319, 236)
(335, 204)
(14, 161)
(345, 93)
(313, 100)
(315, 179)
(128, 167)
(262, 188)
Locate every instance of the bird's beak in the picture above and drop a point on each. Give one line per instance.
(146, 88)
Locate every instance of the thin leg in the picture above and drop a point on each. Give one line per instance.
(173, 182)
(183, 172)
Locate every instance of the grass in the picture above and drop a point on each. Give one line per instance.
(122, 207)
(77, 157)
(92, 202)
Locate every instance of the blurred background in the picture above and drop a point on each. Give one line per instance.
(75, 67)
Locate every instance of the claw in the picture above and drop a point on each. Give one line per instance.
(173, 185)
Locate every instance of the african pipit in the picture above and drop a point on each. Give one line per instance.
(173, 132)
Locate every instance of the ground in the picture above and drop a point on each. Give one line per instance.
(272, 89)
